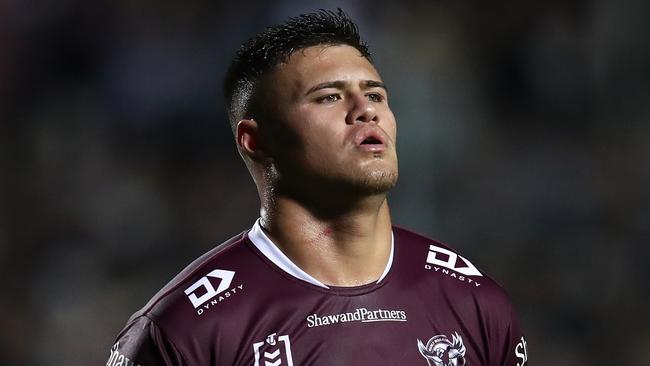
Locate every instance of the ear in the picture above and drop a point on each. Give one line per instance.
(249, 140)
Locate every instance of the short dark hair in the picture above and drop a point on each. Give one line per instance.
(274, 45)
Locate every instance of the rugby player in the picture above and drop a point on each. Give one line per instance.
(322, 277)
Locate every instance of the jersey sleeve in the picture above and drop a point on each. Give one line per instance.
(516, 348)
(142, 343)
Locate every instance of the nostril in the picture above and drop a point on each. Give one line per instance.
(367, 117)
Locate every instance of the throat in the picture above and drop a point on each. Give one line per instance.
(349, 251)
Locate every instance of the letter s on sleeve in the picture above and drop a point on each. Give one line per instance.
(521, 352)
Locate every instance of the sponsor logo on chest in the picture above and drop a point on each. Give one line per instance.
(361, 315)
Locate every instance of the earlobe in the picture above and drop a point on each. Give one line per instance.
(249, 140)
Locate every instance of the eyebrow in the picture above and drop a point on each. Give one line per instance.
(340, 84)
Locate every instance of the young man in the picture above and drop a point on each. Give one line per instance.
(322, 278)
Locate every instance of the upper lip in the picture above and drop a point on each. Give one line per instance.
(369, 133)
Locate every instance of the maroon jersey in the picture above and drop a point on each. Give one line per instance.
(246, 303)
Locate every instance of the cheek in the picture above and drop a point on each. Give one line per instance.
(390, 125)
(285, 131)
(323, 127)
(319, 140)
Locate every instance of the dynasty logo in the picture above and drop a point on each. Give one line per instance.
(446, 262)
(208, 292)
(440, 351)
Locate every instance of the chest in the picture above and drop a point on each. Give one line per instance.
(409, 328)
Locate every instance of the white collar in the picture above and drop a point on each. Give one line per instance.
(264, 244)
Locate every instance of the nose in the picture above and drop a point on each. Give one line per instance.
(361, 110)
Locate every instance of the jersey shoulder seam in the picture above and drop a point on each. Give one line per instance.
(167, 337)
(189, 271)
(401, 231)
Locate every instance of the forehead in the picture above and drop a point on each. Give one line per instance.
(317, 64)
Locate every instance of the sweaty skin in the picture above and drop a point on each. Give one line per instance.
(324, 163)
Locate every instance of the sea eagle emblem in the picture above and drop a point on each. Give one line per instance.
(440, 351)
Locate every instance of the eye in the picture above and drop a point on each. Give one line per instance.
(330, 98)
(375, 97)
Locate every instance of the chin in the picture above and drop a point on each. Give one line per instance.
(378, 182)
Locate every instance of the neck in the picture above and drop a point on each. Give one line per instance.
(339, 246)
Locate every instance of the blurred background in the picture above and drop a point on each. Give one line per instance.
(523, 139)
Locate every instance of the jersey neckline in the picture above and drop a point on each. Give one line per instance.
(265, 245)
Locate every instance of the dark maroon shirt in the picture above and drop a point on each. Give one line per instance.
(245, 303)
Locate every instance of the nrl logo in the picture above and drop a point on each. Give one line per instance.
(272, 353)
(439, 351)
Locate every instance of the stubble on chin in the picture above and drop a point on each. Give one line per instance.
(376, 182)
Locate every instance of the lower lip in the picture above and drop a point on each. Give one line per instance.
(372, 147)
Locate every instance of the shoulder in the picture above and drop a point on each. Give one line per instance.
(446, 268)
(413, 241)
(141, 342)
(214, 273)
(444, 273)
(201, 306)
(419, 248)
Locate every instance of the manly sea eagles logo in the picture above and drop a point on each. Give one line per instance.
(439, 351)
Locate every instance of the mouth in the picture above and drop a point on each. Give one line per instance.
(370, 140)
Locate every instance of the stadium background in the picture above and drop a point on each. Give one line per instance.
(523, 142)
